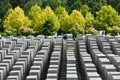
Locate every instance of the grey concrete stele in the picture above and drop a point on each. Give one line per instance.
(62, 57)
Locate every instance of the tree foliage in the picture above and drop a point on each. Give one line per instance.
(37, 20)
(15, 19)
(76, 29)
(89, 18)
(73, 4)
(47, 30)
(106, 17)
(113, 30)
(40, 18)
(52, 3)
(84, 10)
(115, 4)
(94, 5)
(70, 5)
(77, 17)
(16, 3)
(4, 7)
(59, 10)
(92, 31)
(52, 18)
(26, 31)
(30, 3)
(65, 22)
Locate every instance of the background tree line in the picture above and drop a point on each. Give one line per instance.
(23, 17)
(70, 5)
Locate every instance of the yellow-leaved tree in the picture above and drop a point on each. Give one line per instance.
(65, 21)
(107, 17)
(45, 21)
(15, 20)
(77, 22)
(36, 17)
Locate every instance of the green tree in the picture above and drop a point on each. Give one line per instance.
(89, 21)
(31, 3)
(106, 17)
(52, 3)
(4, 7)
(94, 5)
(10, 11)
(63, 3)
(59, 10)
(76, 29)
(26, 31)
(47, 30)
(72, 4)
(51, 18)
(89, 18)
(65, 22)
(115, 4)
(92, 31)
(16, 3)
(84, 10)
(113, 30)
(37, 18)
(40, 17)
(77, 17)
(15, 20)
